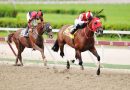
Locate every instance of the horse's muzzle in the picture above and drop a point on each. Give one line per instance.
(50, 34)
(99, 31)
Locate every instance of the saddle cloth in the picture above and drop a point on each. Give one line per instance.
(22, 32)
(67, 32)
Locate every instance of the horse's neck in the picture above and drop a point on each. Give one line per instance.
(39, 29)
(87, 32)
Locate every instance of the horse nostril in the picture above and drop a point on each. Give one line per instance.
(50, 36)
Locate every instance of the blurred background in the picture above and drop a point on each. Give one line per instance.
(61, 12)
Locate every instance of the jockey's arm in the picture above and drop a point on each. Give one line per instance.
(29, 22)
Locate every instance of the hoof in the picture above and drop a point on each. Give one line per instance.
(45, 63)
(68, 65)
(82, 68)
(72, 61)
(18, 65)
(15, 65)
(98, 72)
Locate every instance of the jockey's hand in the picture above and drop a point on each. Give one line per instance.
(31, 28)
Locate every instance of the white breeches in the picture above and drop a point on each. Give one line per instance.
(78, 21)
(28, 16)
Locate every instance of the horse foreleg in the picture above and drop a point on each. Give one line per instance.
(42, 53)
(94, 52)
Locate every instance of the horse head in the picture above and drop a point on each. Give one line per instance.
(95, 25)
(48, 29)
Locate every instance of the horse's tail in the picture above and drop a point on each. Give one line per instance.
(56, 46)
(9, 39)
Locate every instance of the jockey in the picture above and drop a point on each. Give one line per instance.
(31, 19)
(81, 21)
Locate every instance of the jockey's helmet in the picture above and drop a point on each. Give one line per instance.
(39, 13)
(34, 14)
(89, 15)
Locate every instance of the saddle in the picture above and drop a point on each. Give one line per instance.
(22, 34)
(67, 32)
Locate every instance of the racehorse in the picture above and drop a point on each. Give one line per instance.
(83, 40)
(34, 41)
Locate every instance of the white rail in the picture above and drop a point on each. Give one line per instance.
(56, 30)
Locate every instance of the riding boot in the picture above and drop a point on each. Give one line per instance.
(74, 29)
(26, 32)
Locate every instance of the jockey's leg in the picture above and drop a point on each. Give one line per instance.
(27, 29)
(26, 32)
(74, 29)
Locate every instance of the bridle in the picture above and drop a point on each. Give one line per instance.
(87, 28)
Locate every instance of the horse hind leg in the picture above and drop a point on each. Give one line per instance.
(61, 45)
(94, 52)
(17, 46)
(20, 50)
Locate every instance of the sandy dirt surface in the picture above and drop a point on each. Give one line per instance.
(40, 78)
(108, 54)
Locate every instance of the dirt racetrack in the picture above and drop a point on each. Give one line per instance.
(40, 78)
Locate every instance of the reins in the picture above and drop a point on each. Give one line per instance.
(89, 29)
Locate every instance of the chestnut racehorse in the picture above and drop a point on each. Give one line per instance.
(83, 40)
(34, 41)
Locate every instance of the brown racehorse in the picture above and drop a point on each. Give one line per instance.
(34, 41)
(83, 40)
